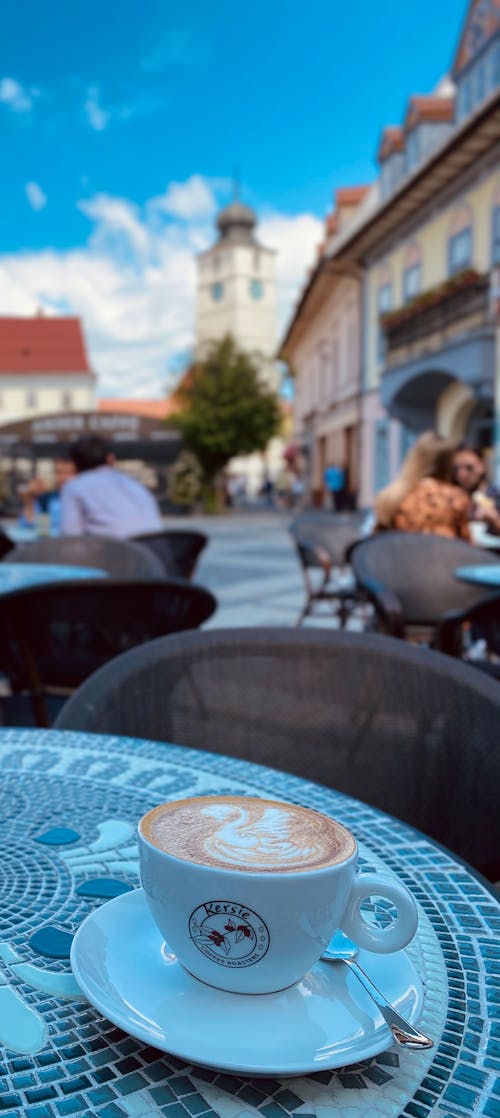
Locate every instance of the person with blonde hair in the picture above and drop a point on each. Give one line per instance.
(422, 498)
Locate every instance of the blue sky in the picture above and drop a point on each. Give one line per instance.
(122, 123)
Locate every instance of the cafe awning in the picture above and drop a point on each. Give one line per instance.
(131, 436)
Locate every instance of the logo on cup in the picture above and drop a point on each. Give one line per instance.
(229, 933)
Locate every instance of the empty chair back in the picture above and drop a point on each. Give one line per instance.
(418, 570)
(178, 550)
(54, 636)
(335, 531)
(120, 558)
(410, 731)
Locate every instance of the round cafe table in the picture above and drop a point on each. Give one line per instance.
(19, 576)
(479, 575)
(69, 804)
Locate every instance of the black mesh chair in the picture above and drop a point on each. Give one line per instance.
(473, 633)
(120, 558)
(6, 544)
(410, 579)
(321, 540)
(53, 637)
(408, 730)
(179, 551)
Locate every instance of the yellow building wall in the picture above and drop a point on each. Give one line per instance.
(432, 240)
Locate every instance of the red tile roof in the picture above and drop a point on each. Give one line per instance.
(350, 195)
(429, 108)
(42, 345)
(470, 45)
(152, 409)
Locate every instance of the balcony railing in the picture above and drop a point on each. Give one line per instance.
(458, 303)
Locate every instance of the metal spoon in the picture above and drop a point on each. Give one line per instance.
(342, 949)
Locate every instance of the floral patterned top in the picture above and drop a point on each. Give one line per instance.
(435, 507)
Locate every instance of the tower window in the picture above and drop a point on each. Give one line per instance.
(256, 289)
(217, 292)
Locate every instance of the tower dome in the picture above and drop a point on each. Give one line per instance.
(236, 222)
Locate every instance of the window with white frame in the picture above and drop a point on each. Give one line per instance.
(31, 398)
(412, 281)
(460, 251)
(384, 304)
(495, 235)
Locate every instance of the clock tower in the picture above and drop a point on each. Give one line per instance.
(236, 290)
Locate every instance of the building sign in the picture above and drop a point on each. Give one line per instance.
(148, 438)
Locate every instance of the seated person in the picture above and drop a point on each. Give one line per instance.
(422, 498)
(470, 473)
(103, 501)
(39, 501)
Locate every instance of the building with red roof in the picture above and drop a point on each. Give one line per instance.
(44, 367)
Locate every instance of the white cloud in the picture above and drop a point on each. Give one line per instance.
(134, 282)
(16, 96)
(181, 48)
(35, 195)
(295, 240)
(97, 117)
(189, 200)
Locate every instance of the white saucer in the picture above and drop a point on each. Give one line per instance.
(326, 1021)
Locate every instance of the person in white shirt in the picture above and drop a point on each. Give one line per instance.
(103, 501)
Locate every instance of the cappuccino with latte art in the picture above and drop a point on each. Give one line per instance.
(247, 892)
(248, 834)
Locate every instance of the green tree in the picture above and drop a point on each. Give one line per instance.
(224, 410)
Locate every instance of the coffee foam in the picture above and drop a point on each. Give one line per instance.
(243, 833)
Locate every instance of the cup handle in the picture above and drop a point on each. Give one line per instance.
(367, 935)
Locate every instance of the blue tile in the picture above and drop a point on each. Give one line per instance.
(472, 1076)
(162, 1095)
(53, 942)
(461, 1096)
(58, 836)
(105, 887)
(100, 1095)
(9, 1101)
(130, 1083)
(40, 1094)
(71, 1106)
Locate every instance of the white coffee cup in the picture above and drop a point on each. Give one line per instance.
(248, 892)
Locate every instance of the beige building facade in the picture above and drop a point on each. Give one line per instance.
(424, 242)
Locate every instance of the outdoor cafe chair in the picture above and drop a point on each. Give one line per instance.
(53, 636)
(406, 729)
(6, 544)
(410, 579)
(120, 558)
(178, 550)
(321, 540)
(473, 633)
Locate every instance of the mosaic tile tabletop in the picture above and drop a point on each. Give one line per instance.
(69, 804)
